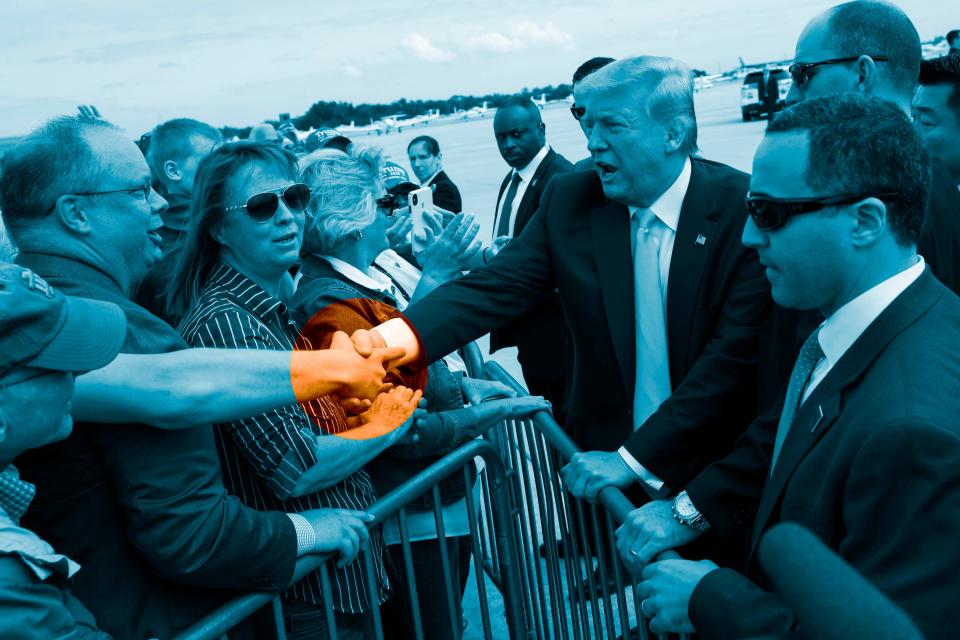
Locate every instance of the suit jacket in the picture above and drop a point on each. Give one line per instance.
(144, 510)
(537, 332)
(579, 242)
(940, 237)
(871, 465)
(446, 195)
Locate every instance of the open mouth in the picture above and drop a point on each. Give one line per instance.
(605, 169)
(155, 237)
(290, 237)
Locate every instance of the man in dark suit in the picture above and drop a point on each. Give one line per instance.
(692, 352)
(577, 111)
(540, 334)
(864, 449)
(426, 160)
(873, 48)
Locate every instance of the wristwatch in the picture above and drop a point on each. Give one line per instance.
(686, 513)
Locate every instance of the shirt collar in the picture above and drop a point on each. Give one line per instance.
(847, 324)
(15, 494)
(245, 291)
(371, 279)
(430, 180)
(526, 173)
(667, 207)
(46, 264)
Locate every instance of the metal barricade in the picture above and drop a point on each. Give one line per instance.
(498, 534)
(574, 585)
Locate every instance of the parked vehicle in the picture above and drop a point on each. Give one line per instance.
(753, 93)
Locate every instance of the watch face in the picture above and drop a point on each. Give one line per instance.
(685, 508)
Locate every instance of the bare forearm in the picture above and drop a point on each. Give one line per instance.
(192, 387)
(338, 457)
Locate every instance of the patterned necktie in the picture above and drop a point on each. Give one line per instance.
(810, 354)
(503, 225)
(652, 381)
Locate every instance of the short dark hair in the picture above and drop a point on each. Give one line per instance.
(944, 70)
(433, 147)
(524, 102)
(861, 144)
(872, 27)
(200, 251)
(952, 36)
(589, 67)
(171, 141)
(53, 160)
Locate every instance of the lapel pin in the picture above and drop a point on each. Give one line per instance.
(701, 240)
(816, 423)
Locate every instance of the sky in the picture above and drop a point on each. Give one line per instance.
(240, 62)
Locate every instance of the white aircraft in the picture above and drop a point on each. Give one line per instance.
(373, 127)
(541, 101)
(475, 112)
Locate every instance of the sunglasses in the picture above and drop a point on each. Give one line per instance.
(261, 207)
(578, 112)
(390, 202)
(772, 213)
(802, 72)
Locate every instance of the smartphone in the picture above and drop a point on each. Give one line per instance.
(420, 200)
(284, 118)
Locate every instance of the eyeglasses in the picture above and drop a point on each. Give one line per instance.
(772, 213)
(390, 202)
(578, 112)
(143, 189)
(261, 207)
(801, 71)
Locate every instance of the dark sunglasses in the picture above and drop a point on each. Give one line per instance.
(261, 207)
(390, 202)
(578, 112)
(772, 213)
(801, 72)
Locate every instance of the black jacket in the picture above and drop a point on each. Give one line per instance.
(446, 195)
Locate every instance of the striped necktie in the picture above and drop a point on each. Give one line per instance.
(810, 354)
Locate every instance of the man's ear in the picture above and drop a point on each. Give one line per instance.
(72, 214)
(171, 171)
(867, 78)
(871, 222)
(675, 136)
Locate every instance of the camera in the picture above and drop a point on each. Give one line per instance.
(414, 199)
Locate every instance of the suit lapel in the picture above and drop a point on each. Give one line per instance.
(610, 234)
(820, 412)
(527, 208)
(503, 187)
(692, 245)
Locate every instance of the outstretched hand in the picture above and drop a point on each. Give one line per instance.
(449, 249)
(363, 370)
(391, 412)
(649, 531)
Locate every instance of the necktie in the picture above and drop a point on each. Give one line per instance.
(652, 382)
(503, 225)
(810, 355)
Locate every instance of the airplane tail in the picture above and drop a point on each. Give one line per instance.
(742, 63)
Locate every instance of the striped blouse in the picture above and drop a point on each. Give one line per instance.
(263, 456)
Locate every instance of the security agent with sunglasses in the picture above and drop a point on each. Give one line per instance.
(143, 509)
(45, 339)
(865, 447)
(872, 48)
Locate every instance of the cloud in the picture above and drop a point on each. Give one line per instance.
(420, 47)
(351, 71)
(521, 35)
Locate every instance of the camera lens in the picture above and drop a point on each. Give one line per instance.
(415, 197)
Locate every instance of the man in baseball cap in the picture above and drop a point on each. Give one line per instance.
(45, 339)
(327, 139)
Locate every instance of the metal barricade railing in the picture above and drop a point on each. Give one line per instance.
(574, 585)
(497, 533)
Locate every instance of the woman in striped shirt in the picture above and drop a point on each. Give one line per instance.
(246, 227)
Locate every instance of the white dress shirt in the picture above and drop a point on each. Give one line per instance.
(847, 324)
(526, 175)
(667, 210)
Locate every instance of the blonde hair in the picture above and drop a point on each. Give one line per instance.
(344, 188)
(669, 86)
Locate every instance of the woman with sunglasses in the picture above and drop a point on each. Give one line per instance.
(246, 226)
(348, 218)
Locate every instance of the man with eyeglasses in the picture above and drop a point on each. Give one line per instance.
(865, 447)
(144, 509)
(872, 48)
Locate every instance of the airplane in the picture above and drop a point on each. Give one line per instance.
(475, 112)
(373, 127)
(745, 68)
(541, 101)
